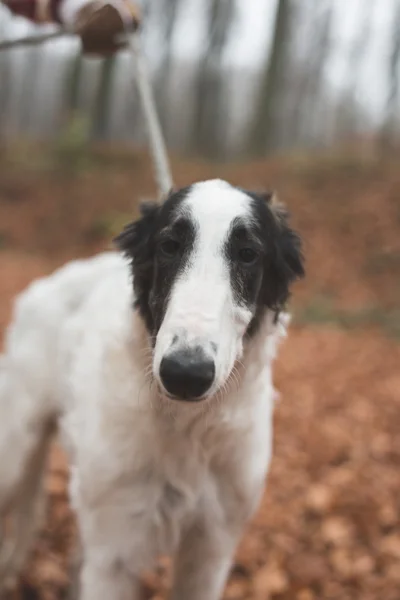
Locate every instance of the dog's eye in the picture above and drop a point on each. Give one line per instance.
(170, 248)
(247, 255)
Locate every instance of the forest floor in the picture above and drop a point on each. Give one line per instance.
(329, 523)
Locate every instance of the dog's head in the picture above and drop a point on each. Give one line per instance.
(207, 264)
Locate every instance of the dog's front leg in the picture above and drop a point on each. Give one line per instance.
(203, 562)
(108, 581)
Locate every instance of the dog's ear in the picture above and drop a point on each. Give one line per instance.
(259, 195)
(134, 240)
(288, 241)
(285, 263)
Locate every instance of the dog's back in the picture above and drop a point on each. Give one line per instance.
(40, 313)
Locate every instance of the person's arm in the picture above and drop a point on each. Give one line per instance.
(97, 22)
(36, 11)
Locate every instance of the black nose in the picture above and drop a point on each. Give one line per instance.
(187, 374)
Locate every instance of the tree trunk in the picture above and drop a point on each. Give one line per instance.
(389, 130)
(210, 112)
(163, 77)
(264, 130)
(72, 87)
(103, 99)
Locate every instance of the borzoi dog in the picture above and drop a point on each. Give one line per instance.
(155, 364)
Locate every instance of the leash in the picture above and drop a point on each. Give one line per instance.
(32, 40)
(158, 150)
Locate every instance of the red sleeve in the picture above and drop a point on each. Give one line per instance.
(29, 9)
(23, 8)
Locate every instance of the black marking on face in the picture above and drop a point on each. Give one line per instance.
(264, 257)
(159, 246)
(244, 253)
(173, 247)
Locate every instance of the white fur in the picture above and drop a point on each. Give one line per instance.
(148, 475)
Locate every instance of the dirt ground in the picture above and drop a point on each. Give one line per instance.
(329, 524)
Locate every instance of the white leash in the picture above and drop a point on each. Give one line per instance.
(156, 139)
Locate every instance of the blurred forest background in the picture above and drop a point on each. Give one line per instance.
(232, 78)
(300, 96)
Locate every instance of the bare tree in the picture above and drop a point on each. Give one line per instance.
(29, 90)
(263, 135)
(389, 129)
(72, 85)
(305, 100)
(348, 113)
(103, 98)
(312, 108)
(169, 18)
(5, 79)
(209, 110)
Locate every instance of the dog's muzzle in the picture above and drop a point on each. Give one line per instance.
(187, 374)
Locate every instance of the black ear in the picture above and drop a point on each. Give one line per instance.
(135, 235)
(259, 195)
(289, 242)
(285, 264)
(136, 242)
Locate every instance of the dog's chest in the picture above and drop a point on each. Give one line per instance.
(175, 486)
(181, 471)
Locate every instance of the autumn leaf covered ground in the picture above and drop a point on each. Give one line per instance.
(329, 524)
